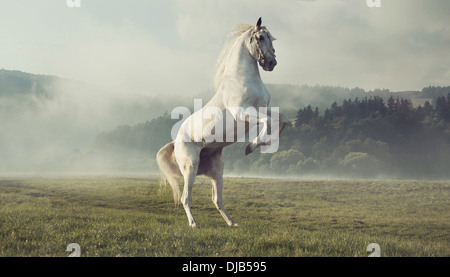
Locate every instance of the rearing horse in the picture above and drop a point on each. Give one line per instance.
(238, 86)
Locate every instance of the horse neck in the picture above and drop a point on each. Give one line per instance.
(241, 66)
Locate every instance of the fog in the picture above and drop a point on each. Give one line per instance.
(52, 122)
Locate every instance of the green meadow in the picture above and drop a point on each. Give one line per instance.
(110, 216)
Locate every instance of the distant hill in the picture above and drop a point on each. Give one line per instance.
(24, 90)
(290, 98)
(25, 86)
(15, 83)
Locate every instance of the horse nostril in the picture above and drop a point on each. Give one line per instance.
(272, 63)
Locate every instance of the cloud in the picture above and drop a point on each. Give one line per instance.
(346, 43)
(126, 59)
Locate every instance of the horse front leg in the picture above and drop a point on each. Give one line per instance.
(268, 120)
(259, 140)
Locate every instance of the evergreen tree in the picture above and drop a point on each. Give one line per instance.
(442, 110)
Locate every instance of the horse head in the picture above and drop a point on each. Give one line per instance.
(261, 48)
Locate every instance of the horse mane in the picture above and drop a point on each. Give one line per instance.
(221, 63)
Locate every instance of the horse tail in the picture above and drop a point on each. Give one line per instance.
(169, 169)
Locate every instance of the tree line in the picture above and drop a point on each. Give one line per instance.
(362, 138)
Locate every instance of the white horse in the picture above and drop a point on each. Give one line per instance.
(238, 86)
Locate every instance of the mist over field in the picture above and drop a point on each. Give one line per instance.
(49, 122)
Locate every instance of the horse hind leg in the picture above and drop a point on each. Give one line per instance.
(187, 156)
(217, 186)
(189, 170)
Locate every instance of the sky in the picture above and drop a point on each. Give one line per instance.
(170, 47)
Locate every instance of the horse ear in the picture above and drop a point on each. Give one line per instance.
(258, 24)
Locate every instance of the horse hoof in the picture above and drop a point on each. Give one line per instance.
(194, 226)
(248, 149)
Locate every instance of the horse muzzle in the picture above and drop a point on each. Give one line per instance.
(268, 64)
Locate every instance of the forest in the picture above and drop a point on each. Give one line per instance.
(358, 138)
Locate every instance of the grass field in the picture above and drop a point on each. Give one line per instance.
(134, 217)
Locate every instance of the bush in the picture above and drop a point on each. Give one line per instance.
(282, 161)
(360, 164)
